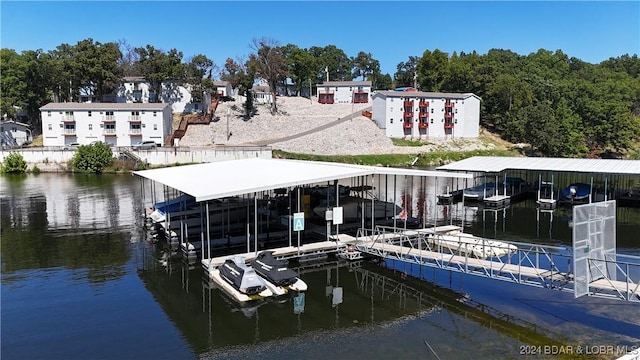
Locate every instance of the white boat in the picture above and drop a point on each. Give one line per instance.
(463, 243)
(352, 209)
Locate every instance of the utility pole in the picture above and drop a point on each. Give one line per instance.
(228, 114)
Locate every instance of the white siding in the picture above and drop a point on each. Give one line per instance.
(123, 128)
(388, 112)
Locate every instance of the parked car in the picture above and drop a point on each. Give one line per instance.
(72, 146)
(142, 145)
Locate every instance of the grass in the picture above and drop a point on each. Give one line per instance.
(405, 142)
(433, 158)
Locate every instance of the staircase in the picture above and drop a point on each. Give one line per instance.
(203, 119)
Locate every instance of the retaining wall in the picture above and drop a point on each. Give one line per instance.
(56, 159)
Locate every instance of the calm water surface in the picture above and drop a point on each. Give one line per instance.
(81, 281)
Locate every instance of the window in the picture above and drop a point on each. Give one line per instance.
(155, 126)
(154, 113)
(50, 127)
(48, 113)
(109, 113)
(391, 121)
(89, 113)
(135, 113)
(432, 110)
(90, 126)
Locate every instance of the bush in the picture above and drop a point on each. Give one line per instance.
(14, 163)
(36, 169)
(92, 158)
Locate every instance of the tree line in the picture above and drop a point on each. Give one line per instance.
(560, 105)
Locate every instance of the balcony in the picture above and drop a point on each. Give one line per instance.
(109, 132)
(424, 123)
(448, 125)
(135, 132)
(109, 118)
(68, 119)
(69, 132)
(135, 118)
(361, 98)
(407, 125)
(325, 98)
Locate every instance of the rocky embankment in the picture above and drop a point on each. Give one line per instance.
(326, 129)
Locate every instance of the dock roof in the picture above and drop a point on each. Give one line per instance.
(221, 179)
(496, 164)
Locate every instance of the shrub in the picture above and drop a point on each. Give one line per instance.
(14, 163)
(92, 158)
(36, 169)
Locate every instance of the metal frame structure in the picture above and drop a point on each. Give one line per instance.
(531, 264)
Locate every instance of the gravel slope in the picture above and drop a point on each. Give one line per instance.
(355, 135)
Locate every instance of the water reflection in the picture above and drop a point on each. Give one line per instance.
(70, 221)
(344, 300)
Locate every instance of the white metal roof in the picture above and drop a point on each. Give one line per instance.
(236, 177)
(498, 164)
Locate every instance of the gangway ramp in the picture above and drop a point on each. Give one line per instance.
(529, 264)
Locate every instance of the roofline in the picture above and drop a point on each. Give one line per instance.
(350, 172)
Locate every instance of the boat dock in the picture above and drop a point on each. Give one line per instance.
(582, 269)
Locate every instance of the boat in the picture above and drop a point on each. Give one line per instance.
(158, 211)
(479, 192)
(352, 209)
(278, 277)
(463, 243)
(243, 278)
(576, 193)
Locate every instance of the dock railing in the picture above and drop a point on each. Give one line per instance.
(537, 265)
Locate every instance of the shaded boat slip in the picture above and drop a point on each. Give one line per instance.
(575, 193)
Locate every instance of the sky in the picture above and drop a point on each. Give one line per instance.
(390, 31)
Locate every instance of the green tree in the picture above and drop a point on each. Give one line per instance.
(198, 74)
(92, 158)
(406, 72)
(12, 82)
(332, 59)
(366, 66)
(14, 163)
(433, 69)
(95, 67)
(301, 66)
(157, 66)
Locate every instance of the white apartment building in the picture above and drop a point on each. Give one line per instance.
(344, 92)
(418, 114)
(117, 124)
(135, 89)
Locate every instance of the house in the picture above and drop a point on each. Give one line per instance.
(135, 89)
(344, 92)
(426, 114)
(14, 134)
(117, 124)
(223, 88)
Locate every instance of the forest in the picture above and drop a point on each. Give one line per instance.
(559, 105)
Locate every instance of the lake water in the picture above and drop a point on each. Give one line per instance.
(80, 280)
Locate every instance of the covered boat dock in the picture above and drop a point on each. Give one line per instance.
(608, 178)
